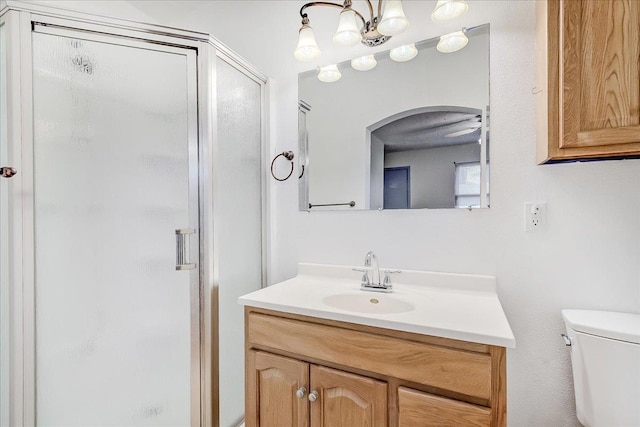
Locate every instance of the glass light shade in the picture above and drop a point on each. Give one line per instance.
(347, 33)
(393, 20)
(446, 10)
(404, 53)
(329, 74)
(364, 63)
(307, 49)
(452, 42)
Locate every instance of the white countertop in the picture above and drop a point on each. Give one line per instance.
(457, 306)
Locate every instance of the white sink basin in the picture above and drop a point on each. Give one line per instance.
(368, 302)
(457, 306)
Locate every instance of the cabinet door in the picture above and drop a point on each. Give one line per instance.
(347, 400)
(594, 78)
(272, 382)
(418, 409)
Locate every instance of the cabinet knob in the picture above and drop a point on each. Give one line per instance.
(301, 392)
(313, 396)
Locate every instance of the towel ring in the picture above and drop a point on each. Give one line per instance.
(287, 155)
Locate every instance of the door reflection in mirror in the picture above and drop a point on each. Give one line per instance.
(397, 187)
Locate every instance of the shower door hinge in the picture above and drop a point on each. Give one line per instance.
(182, 252)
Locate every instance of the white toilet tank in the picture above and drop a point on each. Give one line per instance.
(605, 357)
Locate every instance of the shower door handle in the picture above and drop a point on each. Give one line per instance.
(182, 245)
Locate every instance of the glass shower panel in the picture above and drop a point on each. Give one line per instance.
(111, 186)
(239, 224)
(4, 230)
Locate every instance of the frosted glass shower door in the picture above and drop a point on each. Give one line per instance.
(239, 223)
(115, 174)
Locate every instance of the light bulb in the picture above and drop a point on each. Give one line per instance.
(364, 63)
(446, 10)
(404, 53)
(307, 48)
(393, 20)
(329, 74)
(347, 33)
(452, 42)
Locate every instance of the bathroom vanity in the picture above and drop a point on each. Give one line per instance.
(319, 351)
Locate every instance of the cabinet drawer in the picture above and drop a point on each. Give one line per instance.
(464, 372)
(417, 409)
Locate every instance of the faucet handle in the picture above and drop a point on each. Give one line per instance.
(387, 276)
(365, 275)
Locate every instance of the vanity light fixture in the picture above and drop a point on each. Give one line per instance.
(453, 42)
(307, 48)
(329, 74)
(364, 63)
(387, 20)
(404, 53)
(446, 10)
(393, 21)
(347, 33)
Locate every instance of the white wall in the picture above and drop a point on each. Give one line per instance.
(376, 172)
(113, 8)
(587, 257)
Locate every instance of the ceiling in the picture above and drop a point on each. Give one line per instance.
(429, 130)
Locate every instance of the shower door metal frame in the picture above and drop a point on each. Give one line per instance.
(20, 18)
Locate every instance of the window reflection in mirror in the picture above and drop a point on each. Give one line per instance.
(405, 135)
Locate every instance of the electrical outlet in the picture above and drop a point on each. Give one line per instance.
(535, 216)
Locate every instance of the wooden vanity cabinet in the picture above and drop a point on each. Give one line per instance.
(366, 376)
(281, 387)
(274, 382)
(422, 409)
(588, 90)
(346, 399)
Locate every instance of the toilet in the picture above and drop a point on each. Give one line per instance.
(605, 359)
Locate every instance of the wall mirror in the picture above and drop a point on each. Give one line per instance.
(403, 135)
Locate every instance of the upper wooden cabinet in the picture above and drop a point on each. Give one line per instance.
(589, 76)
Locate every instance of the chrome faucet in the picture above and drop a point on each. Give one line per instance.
(374, 284)
(371, 261)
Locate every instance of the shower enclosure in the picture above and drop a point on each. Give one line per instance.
(134, 220)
